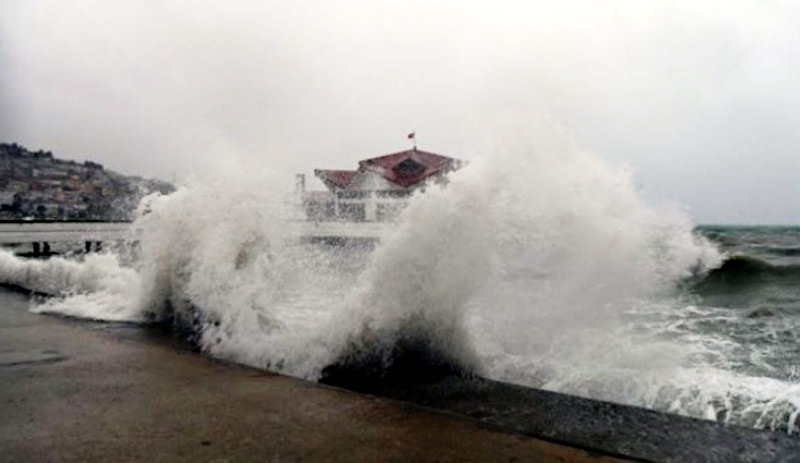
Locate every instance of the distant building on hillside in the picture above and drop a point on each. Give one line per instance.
(378, 190)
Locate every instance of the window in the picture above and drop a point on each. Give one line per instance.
(354, 212)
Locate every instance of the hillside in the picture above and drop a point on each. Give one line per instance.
(37, 185)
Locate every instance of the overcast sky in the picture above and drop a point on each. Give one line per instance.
(700, 98)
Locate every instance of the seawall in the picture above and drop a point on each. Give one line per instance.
(73, 390)
(80, 391)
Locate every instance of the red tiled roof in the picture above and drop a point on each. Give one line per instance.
(339, 178)
(409, 167)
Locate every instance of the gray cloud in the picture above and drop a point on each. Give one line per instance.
(701, 100)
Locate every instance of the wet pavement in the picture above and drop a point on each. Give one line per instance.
(81, 391)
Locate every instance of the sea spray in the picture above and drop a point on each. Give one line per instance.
(543, 268)
(410, 313)
(543, 253)
(218, 261)
(97, 287)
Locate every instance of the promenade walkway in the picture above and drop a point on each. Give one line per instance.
(81, 391)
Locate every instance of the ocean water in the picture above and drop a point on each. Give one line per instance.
(544, 268)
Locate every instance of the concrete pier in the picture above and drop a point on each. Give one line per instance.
(80, 391)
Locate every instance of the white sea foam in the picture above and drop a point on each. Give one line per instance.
(542, 268)
(97, 287)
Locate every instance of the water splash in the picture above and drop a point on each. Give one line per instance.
(543, 268)
(97, 287)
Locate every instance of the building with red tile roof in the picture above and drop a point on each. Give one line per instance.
(379, 188)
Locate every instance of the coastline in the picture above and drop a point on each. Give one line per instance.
(74, 390)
